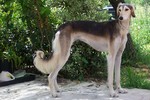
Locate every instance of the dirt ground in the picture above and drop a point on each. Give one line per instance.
(71, 90)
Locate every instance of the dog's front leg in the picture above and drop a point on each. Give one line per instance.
(52, 86)
(117, 70)
(110, 61)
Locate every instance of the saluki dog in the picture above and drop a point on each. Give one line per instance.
(109, 36)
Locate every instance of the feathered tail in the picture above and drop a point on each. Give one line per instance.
(47, 66)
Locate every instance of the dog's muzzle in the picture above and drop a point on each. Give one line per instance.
(120, 18)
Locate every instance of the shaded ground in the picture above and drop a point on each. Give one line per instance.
(38, 90)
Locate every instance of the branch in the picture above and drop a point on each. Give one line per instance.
(40, 22)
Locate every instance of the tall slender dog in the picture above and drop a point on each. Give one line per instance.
(108, 36)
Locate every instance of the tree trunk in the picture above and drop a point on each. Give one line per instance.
(115, 3)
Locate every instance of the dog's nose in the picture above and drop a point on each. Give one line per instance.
(120, 18)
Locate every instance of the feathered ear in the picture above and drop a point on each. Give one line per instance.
(132, 11)
(118, 8)
(132, 8)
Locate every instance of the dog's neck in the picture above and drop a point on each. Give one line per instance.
(124, 26)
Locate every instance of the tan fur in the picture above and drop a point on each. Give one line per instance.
(111, 40)
(47, 67)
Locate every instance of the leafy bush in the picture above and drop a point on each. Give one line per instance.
(132, 78)
(29, 25)
(79, 9)
(25, 26)
(141, 33)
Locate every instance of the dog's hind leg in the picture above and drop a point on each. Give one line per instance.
(56, 85)
(52, 86)
(53, 76)
(64, 46)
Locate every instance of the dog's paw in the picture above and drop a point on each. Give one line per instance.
(58, 90)
(122, 91)
(55, 95)
(114, 94)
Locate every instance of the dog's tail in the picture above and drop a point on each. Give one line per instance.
(46, 66)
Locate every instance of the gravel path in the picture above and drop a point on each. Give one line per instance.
(38, 90)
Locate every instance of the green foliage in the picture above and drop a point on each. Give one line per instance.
(11, 29)
(79, 9)
(28, 25)
(132, 78)
(12, 57)
(141, 34)
(24, 27)
(139, 2)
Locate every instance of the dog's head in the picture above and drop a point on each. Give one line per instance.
(125, 11)
(39, 54)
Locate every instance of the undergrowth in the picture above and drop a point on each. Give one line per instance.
(140, 31)
(135, 78)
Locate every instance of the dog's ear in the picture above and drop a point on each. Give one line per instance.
(132, 8)
(118, 8)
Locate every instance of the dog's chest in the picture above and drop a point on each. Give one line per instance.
(120, 41)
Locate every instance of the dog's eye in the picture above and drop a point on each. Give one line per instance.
(126, 9)
(119, 10)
